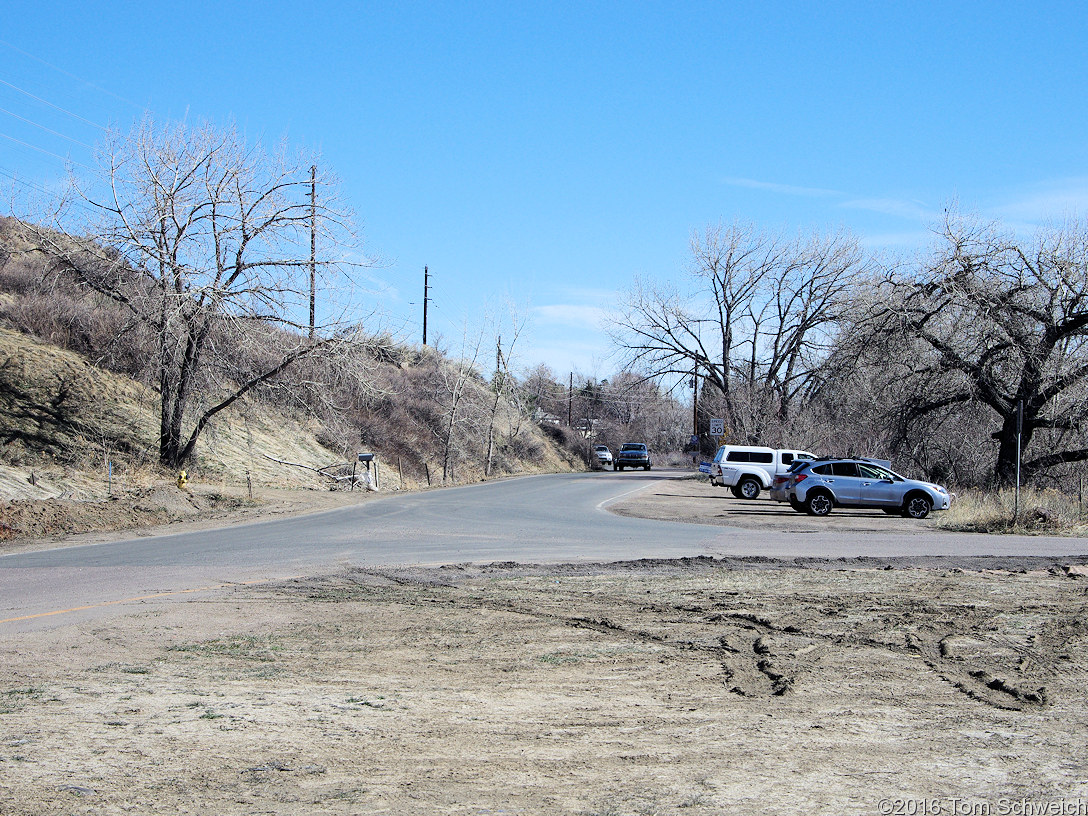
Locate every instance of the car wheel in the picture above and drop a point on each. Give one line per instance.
(735, 490)
(917, 506)
(748, 488)
(797, 504)
(819, 504)
(646, 468)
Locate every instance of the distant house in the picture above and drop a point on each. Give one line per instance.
(541, 416)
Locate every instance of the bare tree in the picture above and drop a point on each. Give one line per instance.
(632, 408)
(757, 322)
(455, 376)
(1002, 323)
(543, 396)
(501, 381)
(205, 241)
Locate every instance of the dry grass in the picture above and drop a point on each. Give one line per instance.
(1046, 512)
(64, 419)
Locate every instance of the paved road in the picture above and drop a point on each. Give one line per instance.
(536, 519)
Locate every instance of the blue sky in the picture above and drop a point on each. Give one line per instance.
(545, 154)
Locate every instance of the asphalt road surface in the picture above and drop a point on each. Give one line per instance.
(539, 519)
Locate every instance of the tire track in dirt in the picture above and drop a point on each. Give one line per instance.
(760, 657)
(974, 681)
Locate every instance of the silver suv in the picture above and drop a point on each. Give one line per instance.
(817, 487)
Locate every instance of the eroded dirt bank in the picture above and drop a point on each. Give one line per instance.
(693, 687)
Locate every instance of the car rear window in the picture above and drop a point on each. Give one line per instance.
(761, 457)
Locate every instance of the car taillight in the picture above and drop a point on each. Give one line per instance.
(799, 477)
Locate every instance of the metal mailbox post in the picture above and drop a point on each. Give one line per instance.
(366, 458)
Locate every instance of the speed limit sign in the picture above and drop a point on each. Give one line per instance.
(717, 427)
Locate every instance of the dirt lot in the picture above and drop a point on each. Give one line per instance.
(693, 687)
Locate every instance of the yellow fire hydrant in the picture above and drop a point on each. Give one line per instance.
(183, 479)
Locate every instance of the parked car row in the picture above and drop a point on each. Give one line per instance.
(816, 485)
(809, 483)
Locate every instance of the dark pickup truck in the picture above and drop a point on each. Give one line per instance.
(632, 454)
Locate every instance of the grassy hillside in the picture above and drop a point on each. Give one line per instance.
(66, 421)
(77, 404)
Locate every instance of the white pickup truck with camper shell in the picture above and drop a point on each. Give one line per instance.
(746, 469)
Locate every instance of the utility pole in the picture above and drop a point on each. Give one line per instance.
(426, 297)
(313, 245)
(570, 402)
(695, 402)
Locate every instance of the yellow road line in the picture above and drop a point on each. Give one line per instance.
(145, 598)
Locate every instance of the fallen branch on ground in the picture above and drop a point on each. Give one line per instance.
(319, 471)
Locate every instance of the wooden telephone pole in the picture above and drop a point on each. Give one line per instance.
(570, 402)
(426, 297)
(695, 402)
(313, 245)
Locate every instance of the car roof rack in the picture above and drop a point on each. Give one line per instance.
(870, 459)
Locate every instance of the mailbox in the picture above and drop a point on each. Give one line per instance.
(366, 459)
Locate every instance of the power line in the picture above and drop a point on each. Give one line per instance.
(47, 130)
(32, 144)
(46, 152)
(30, 185)
(63, 110)
(50, 104)
(86, 82)
(12, 175)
